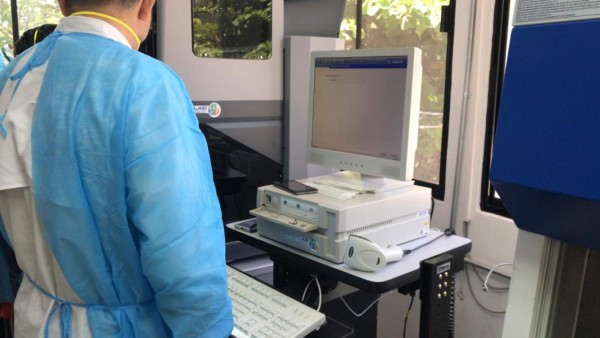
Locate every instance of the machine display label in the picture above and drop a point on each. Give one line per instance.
(529, 12)
(301, 241)
(443, 268)
(296, 239)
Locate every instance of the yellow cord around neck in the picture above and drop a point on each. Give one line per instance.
(112, 18)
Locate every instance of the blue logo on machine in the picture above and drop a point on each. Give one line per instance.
(301, 241)
(312, 244)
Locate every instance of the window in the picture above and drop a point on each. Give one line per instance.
(490, 201)
(17, 16)
(232, 29)
(34, 13)
(429, 26)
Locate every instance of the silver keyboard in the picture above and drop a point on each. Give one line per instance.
(260, 311)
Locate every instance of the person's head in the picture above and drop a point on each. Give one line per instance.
(136, 13)
(32, 36)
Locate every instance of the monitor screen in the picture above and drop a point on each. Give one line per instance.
(364, 110)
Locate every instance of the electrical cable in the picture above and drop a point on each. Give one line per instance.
(487, 278)
(477, 300)
(314, 279)
(412, 298)
(447, 232)
(481, 279)
(368, 307)
(320, 293)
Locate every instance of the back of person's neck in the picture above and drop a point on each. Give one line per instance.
(120, 20)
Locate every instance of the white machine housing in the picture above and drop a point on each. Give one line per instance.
(320, 225)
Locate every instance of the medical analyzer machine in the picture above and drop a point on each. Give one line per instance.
(363, 120)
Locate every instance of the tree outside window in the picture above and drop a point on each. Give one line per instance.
(31, 13)
(232, 29)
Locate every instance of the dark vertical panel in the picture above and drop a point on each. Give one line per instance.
(358, 23)
(499, 46)
(588, 324)
(15, 19)
(567, 290)
(574, 309)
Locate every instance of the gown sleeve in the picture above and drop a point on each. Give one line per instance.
(172, 204)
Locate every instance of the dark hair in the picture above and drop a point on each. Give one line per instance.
(80, 5)
(33, 36)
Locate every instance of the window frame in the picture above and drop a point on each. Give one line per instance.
(488, 200)
(15, 20)
(447, 25)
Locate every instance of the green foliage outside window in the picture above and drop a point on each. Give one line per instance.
(232, 28)
(31, 13)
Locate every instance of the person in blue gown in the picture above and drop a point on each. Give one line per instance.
(106, 190)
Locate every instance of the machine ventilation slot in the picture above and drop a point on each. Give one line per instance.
(372, 226)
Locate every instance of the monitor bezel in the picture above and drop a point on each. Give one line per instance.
(401, 169)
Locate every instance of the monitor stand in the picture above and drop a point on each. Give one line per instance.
(361, 182)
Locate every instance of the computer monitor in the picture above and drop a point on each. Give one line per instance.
(364, 111)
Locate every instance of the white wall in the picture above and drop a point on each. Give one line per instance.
(494, 237)
(211, 79)
(478, 313)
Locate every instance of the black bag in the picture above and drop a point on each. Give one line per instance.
(11, 259)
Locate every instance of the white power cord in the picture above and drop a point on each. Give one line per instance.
(315, 278)
(487, 278)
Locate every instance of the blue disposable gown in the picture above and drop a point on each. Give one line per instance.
(124, 237)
